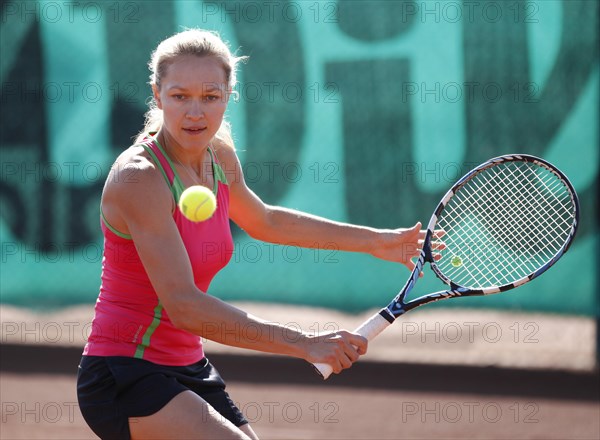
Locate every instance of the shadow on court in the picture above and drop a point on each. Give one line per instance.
(284, 399)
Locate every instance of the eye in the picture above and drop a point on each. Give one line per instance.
(212, 98)
(179, 97)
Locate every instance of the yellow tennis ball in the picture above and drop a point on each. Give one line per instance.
(197, 203)
(456, 261)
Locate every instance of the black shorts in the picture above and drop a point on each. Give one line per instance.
(111, 389)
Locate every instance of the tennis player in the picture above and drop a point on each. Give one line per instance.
(143, 373)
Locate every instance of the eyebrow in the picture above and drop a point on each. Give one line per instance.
(212, 86)
(207, 87)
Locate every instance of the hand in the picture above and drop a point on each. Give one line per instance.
(339, 349)
(404, 245)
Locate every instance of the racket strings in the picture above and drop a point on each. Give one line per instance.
(550, 189)
(459, 248)
(517, 211)
(552, 220)
(504, 223)
(553, 223)
(482, 268)
(523, 208)
(480, 256)
(520, 209)
(519, 265)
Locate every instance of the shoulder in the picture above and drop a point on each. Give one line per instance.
(223, 150)
(228, 160)
(134, 177)
(133, 166)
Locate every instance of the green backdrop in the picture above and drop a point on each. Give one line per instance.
(358, 111)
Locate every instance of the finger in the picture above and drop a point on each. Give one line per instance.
(438, 233)
(351, 356)
(337, 367)
(358, 343)
(416, 229)
(346, 354)
(438, 245)
(344, 361)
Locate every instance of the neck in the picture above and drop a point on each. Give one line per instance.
(185, 157)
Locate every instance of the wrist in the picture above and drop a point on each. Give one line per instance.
(376, 240)
(362, 239)
(290, 341)
(302, 345)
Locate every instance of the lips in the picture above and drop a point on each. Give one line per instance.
(194, 130)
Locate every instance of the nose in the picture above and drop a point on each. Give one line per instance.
(195, 110)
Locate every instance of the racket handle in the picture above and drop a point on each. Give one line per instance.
(369, 329)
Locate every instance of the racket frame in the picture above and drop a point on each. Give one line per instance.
(397, 307)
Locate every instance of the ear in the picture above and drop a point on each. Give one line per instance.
(156, 93)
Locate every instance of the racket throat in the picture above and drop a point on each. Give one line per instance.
(389, 315)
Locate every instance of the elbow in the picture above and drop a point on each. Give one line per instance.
(181, 313)
(262, 229)
(195, 313)
(192, 320)
(257, 234)
(180, 319)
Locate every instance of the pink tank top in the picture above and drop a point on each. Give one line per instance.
(129, 319)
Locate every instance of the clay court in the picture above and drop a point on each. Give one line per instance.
(44, 407)
(446, 388)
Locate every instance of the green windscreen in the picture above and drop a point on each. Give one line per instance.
(359, 111)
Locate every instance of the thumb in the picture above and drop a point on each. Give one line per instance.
(416, 228)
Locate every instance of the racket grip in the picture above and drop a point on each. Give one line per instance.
(369, 329)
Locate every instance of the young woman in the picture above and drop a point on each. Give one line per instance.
(143, 373)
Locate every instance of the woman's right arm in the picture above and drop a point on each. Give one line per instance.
(141, 205)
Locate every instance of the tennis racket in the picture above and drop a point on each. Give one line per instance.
(505, 223)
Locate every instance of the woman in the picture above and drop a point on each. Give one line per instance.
(143, 373)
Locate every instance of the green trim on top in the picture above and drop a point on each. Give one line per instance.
(162, 150)
(177, 187)
(218, 173)
(162, 170)
(112, 229)
(139, 351)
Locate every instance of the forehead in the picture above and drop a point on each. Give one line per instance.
(192, 71)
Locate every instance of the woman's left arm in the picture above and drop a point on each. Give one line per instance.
(280, 225)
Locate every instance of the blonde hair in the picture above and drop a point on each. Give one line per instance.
(196, 42)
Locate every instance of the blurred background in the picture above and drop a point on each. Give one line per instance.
(359, 111)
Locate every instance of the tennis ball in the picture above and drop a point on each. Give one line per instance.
(197, 203)
(456, 261)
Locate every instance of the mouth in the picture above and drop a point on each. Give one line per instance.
(194, 130)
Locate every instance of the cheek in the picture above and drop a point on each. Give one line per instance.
(218, 110)
(171, 109)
